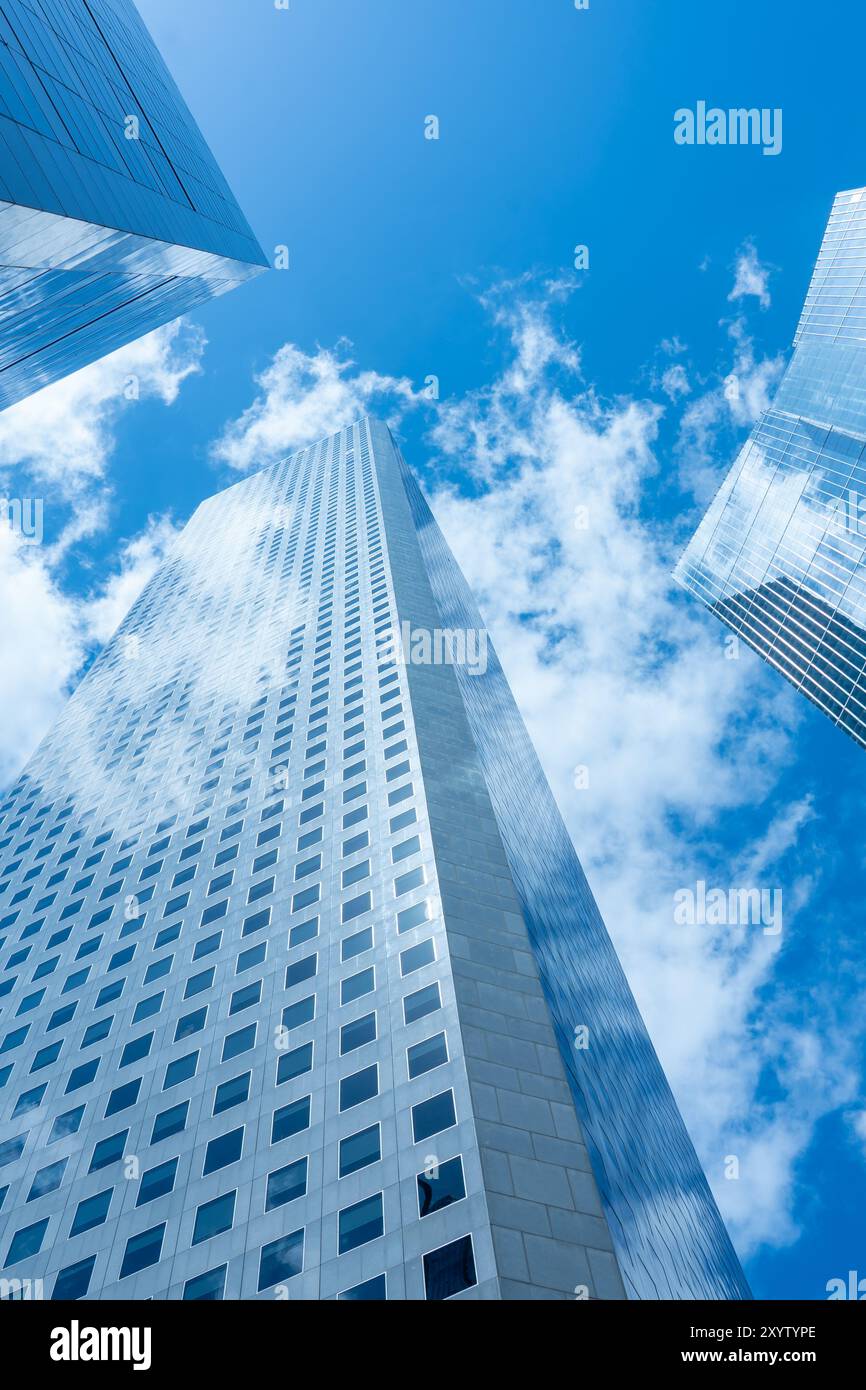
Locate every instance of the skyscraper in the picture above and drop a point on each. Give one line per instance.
(779, 555)
(114, 216)
(303, 992)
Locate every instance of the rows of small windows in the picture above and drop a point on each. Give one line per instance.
(248, 995)
(260, 882)
(441, 1184)
(280, 745)
(449, 1269)
(356, 1151)
(157, 718)
(421, 955)
(185, 870)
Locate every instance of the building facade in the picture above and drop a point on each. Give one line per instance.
(779, 555)
(114, 216)
(303, 993)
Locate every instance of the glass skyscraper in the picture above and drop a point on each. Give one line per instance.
(114, 216)
(303, 993)
(779, 555)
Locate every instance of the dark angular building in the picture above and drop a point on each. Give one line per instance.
(114, 216)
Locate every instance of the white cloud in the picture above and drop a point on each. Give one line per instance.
(140, 558)
(63, 435)
(59, 442)
(40, 650)
(301, 400)
(741, 393)
(675, 381)
(617, 672)
(734, 403)
(857, 1121)
(46, 634)
(751, 277)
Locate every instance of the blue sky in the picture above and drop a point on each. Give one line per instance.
(559, 390)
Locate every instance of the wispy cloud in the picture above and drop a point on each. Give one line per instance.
(544, 490)
(752, 278)
(303, 397)
(616, 673)
(40, 649)
(59, 444)
(139, 559)
(714, 419)
(63, 436)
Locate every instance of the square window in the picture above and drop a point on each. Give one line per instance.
(361, 1223)
(425, 1001)
(123, 1097)
(47, 1180)
(302, 970)
(450, 1269)
(206, 1288)
(427, 1055)
(417, 957)
(108, 1151)
(197, 984)
(252, 957)
(169, 1122)
(286, 1185)
(356, 986)
(360, 1150)
(180, 1070)
(295, 1063)
(356, 874)
(190, 1024)
(413, 917)
(361, 1086)
(357, 1034)
(142, 1251)
(307, 898)
(291, 1119)
(231, 1093)
(225, 1149)
(245, 998)
(356, 945)
(372, 1290)
(157, 1182)
(406, 882)
(356, 907)
(134, 1051)
(296, 1015)
(305, 931)
(26, 1243)
(212, 1218)
(407, 848)
(73, 1282)
(441, 1187)
(280, 1260)
(241, 1041)
(433, 1116)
